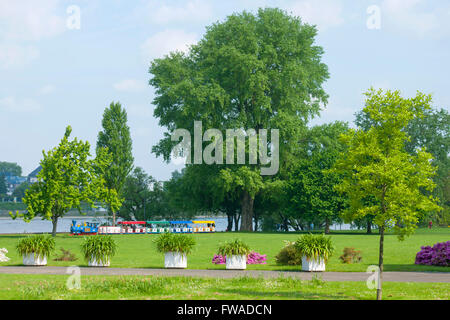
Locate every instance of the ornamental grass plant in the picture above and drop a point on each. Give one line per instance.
(40, 245)
(234, 248)
(315, 246)
(171, 242)
(100, 248)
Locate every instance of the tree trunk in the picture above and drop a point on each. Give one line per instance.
(247, 212)
(54, 223)
(380, 264)
(327, 225)
(237, 217)
(230, 222)
(369, 227)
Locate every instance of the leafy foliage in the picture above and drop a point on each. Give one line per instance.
(67, 180)
(234, 247)
(99, 247)
(251, 71)
(289, 255)
(314, 246)
(10, 168)
(66, 255)
(351, 255)
(171, 242)
(41, 245)
(379, 176)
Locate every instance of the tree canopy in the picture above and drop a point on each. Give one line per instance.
(68, 178)
(259, 71)
(115, 137)
(380, 177)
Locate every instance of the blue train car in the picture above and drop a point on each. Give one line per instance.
(83, 228)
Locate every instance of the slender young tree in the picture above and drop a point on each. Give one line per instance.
(67, 180)
(115, 137)
(379, 176)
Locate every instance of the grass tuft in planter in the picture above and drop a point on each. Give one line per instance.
(37, 247)
(236, 252)
(99, 250)
(315, 251)
(175, 247)
(315, 246)
(170, 242)
(234, 248)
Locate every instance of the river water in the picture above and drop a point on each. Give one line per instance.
(7, 225)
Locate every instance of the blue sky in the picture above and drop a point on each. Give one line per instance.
(52, 75)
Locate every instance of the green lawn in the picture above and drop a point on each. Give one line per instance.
(185, 288)
(139, 250)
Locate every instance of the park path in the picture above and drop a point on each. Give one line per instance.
(327, 276)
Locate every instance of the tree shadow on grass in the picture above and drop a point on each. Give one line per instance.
(414, 268)
(298, 295)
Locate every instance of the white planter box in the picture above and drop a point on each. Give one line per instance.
(175, 260)
(94, 263)
(34, 260)
(309, 264)
(238, 262)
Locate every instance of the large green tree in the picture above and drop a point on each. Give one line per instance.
(3, 186)
(10, 168)
(115, 136)
(67, 180)
(252, 71)
(310, 185)
(143, 197)
(380, 177)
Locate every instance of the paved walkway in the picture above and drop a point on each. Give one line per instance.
(327, 276)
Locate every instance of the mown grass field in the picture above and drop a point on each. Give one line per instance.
(50, 287)
(139, 251)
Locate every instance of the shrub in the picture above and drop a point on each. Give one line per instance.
(66, 255)
(351, 255)
(438, 255)
(314, 246)
(40, 245)
(289, 255)
(101, 248)
(171, 242)
(235, 247)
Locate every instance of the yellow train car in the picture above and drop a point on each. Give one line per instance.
(203, 226)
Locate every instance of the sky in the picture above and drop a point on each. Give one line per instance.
(63, 62)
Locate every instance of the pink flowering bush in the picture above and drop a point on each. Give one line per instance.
(256, 258)
(252, 258)
(438, 255)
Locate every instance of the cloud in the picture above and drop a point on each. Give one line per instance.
(130, 85)
(167, 41)
(325, 13)
(30, 19)
(194, 11)
(414, 17)
(26, 21)
(47, 89)
(11, 104)
(16, 56)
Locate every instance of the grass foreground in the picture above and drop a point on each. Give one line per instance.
(139, 251)
(53, 287)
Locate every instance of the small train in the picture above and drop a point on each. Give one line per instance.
(145, 227)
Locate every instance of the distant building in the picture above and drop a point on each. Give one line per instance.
(32, 177)
(12, 182)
